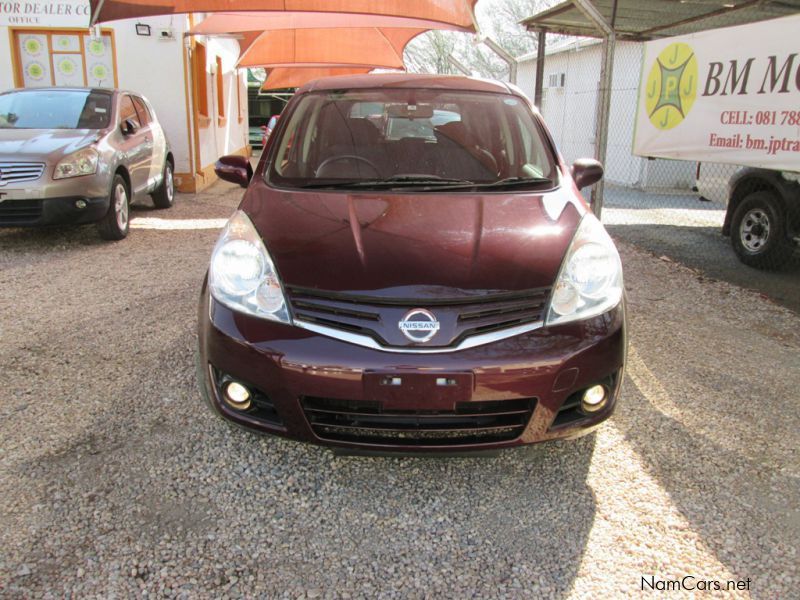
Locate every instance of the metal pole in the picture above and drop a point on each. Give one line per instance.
(603, 110)
(96, 14)
(537, 94)
(458, 65)
(604, 99)
(505, 56)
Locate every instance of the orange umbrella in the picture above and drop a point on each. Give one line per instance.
(294, 77)
(367, 47)
(458, 13)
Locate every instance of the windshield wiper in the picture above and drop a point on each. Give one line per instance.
(426, 182)
(391, 182)
(502, 183)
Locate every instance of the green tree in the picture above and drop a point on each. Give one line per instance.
(498, 19)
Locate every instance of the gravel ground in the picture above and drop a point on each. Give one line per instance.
(680, 226)
(116, 481)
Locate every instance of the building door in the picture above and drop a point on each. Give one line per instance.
(47, 57)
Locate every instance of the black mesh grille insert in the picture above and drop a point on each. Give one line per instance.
(368, 423)
(20, 212)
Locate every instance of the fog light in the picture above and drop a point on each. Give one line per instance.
(80, 204)
(594, 398)
(236, 395)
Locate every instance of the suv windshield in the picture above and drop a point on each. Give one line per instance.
(410, 137)
(55, 109)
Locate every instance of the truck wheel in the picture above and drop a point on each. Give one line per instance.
(758, 232)
(164, 196)
(116, 224)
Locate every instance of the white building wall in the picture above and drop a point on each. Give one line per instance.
(223, 137)
(570, 112)
(6, 70)
(153, 67)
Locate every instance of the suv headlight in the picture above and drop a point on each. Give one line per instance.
(590, 280)
(242, 276)
(82, 162)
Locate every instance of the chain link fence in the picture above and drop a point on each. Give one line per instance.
(675, 209)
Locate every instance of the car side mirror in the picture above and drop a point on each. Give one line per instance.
(586, 171)
(234, 168)
(128, 127)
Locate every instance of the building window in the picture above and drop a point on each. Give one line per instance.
(220, 90)
(200, 79)
(49, 57)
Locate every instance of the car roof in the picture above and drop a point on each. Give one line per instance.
(96, 90)
(409, 80)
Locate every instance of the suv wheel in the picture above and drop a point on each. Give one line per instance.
(758, 231)
(116, 224)
(164, 196)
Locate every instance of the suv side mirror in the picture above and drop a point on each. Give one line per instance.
(586, 171)
(234, 168)
(128, 127)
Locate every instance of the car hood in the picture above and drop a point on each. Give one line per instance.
(425, 245)
(45, 145)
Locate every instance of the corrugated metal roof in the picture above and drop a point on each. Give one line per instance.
(648, 19)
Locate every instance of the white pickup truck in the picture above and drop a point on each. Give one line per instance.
(763, 215)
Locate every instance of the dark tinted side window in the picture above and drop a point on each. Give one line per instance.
(128, 111)
(141, 109)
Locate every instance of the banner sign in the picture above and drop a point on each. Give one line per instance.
(727, 95)
(45, 13)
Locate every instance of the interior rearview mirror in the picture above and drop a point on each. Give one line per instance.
(410, 111)
(586, 172)
(234, 168)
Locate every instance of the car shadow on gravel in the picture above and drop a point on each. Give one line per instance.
(705, 249)
(519, 521)
(63, 237)
(530, 506)
(48, 239)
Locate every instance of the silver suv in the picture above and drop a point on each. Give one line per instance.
(80, 155)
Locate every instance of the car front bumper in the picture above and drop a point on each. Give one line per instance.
(48, 201)
(313, 388)
(37, 212)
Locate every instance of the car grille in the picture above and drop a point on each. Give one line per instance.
(368, 423)
(378, 317)
(20, 212)
(18, 172)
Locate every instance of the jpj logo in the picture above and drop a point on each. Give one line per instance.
(671, 87)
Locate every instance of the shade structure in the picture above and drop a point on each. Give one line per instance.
(237, 22)
(293, 77)
(642, 20)
(458, 13)
(364, 47)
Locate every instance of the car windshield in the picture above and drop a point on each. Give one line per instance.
(55, 109)
(410, 137)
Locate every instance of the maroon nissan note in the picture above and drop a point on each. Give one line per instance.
(412, 268)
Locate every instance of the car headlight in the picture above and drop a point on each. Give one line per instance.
(242, 276)
(82, 162)
(590, 280)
